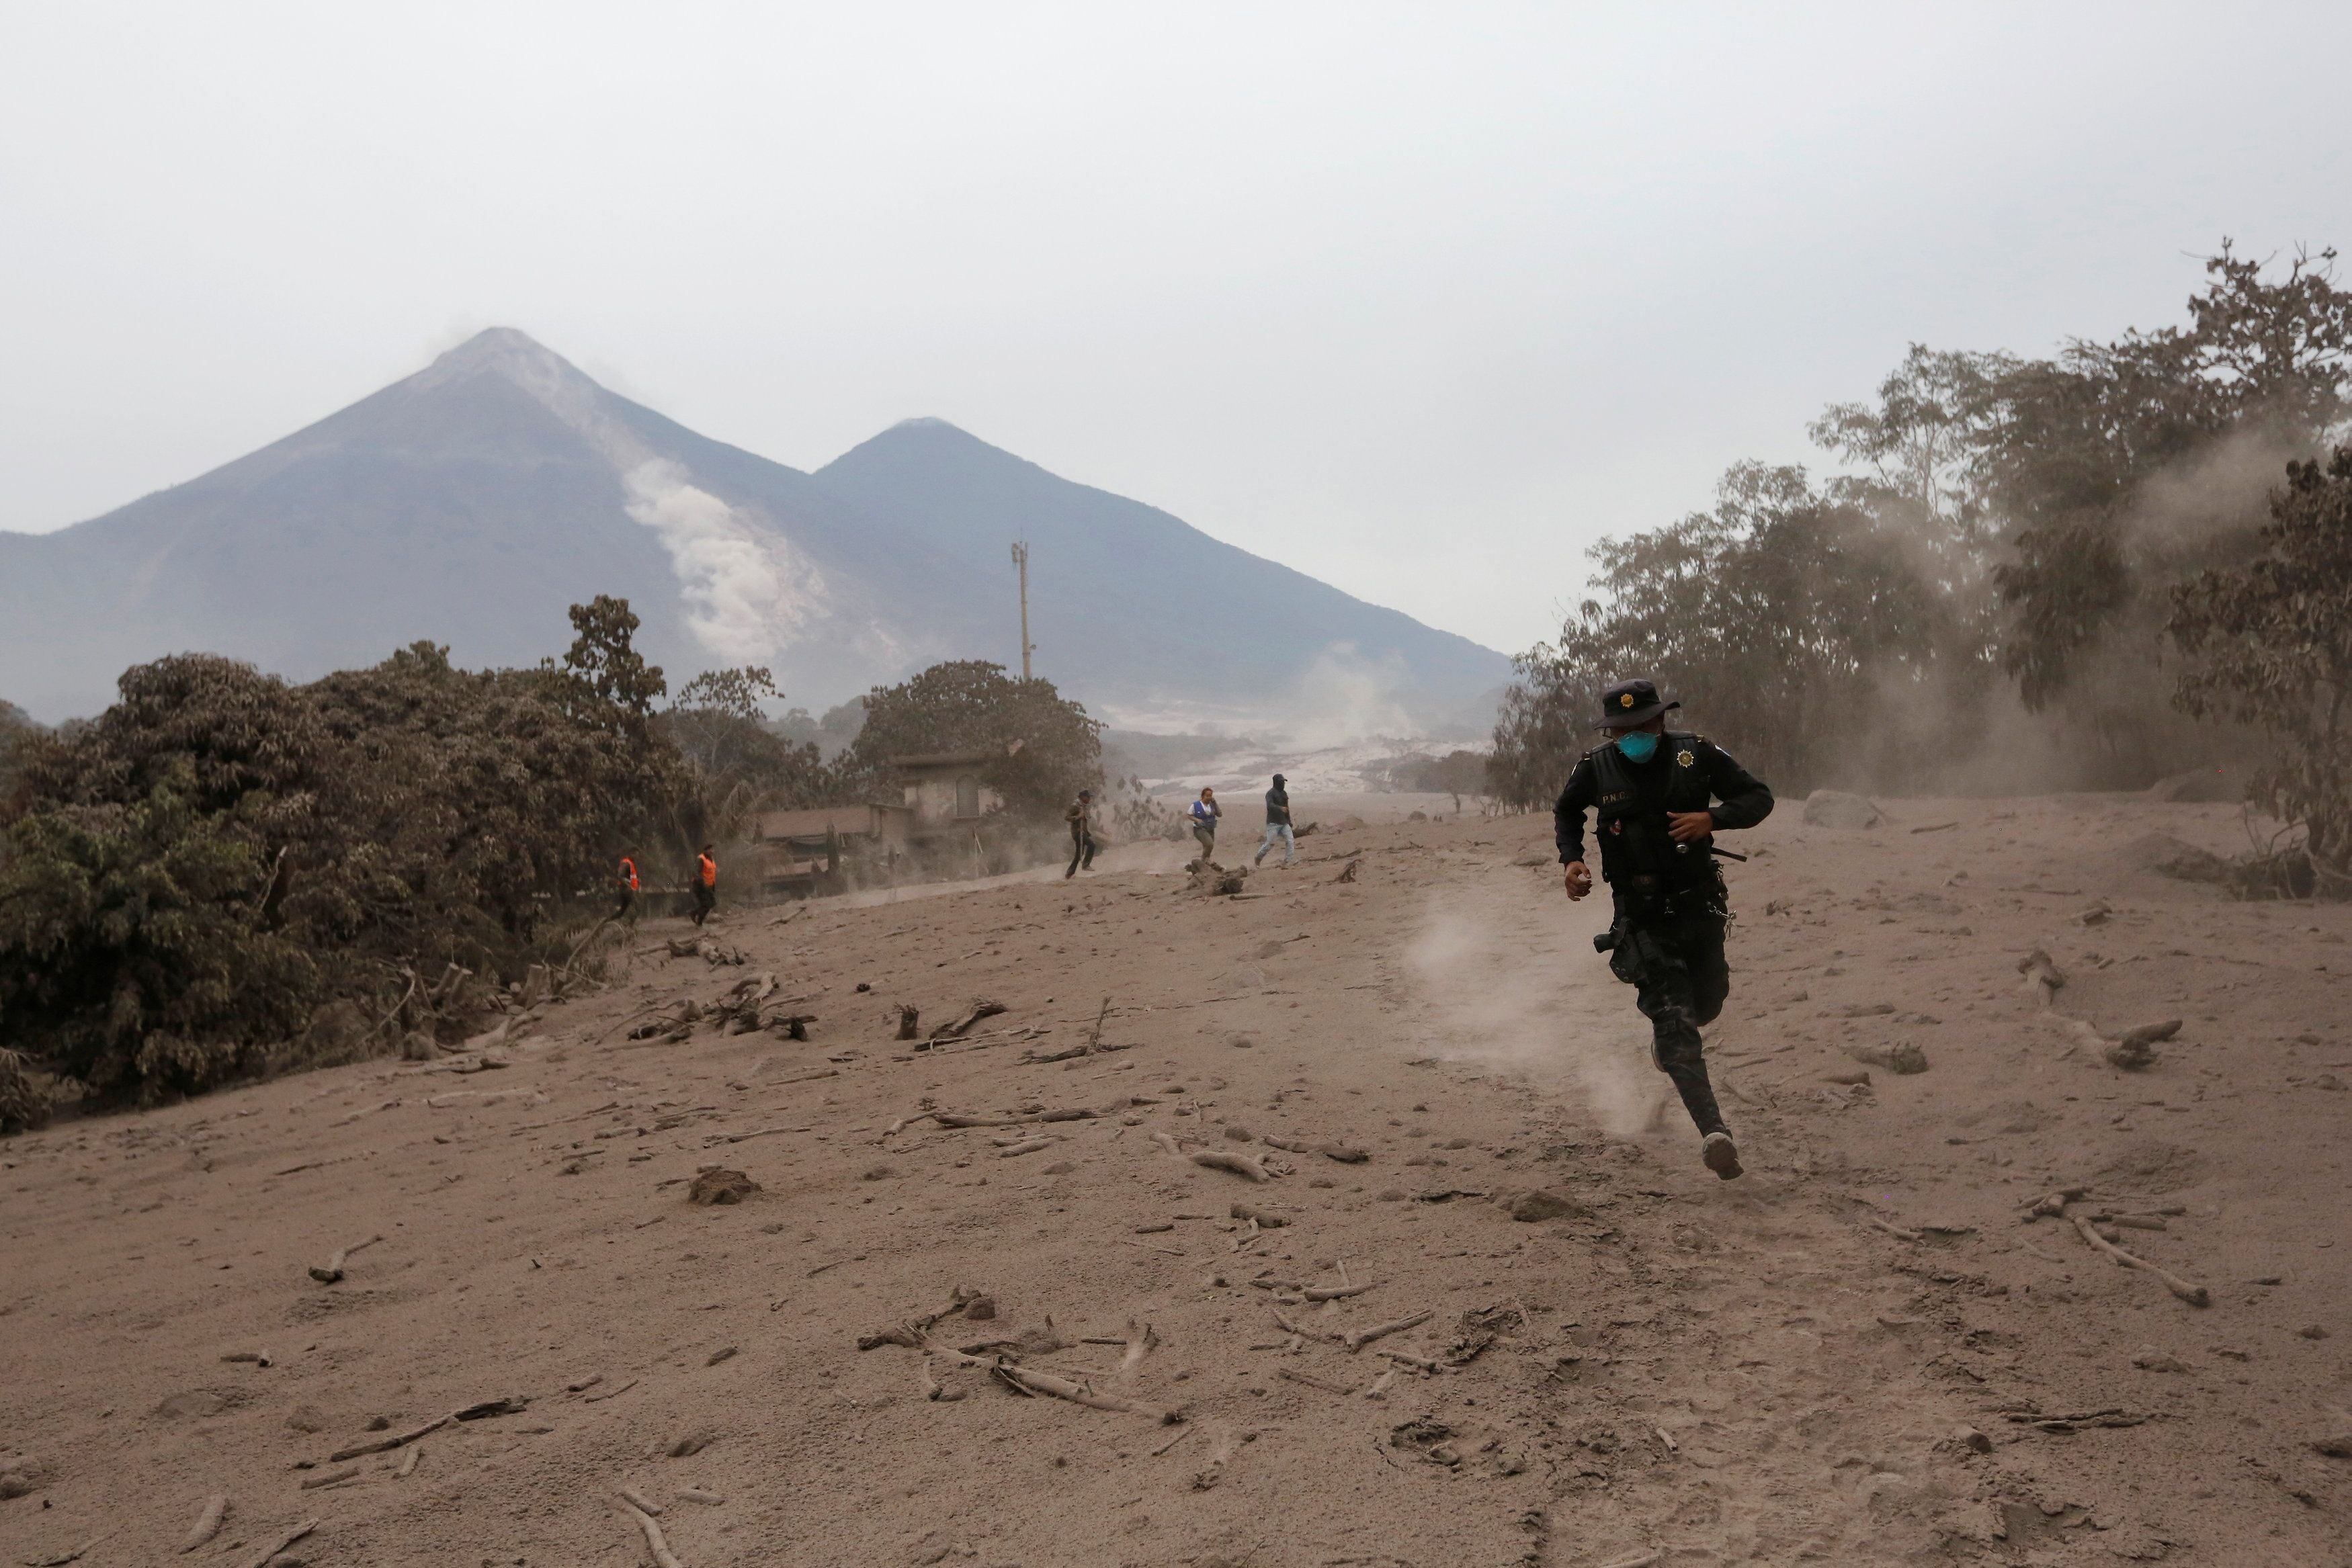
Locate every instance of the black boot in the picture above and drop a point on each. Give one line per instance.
(1679, 1058)
(1698, 1095)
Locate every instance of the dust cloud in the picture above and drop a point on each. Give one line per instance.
(1565, 1023)
(1964, 730)
(2212, 495)
(1344, 696)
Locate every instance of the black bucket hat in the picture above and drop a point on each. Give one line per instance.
(1630, 703)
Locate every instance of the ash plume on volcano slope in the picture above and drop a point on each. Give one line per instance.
(749, 593)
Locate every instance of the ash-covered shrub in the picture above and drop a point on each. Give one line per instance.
(225, 875)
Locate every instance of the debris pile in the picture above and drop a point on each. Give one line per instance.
(709, 949)
(748, 1007)
(25, 1100)
(1837, 809)
(1003, 1359)
(717, 1185)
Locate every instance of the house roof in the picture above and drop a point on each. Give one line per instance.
(814, 823)
(945, 759)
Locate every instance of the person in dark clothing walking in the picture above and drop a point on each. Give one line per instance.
(1650, 788)
(1080, 815)
(706, 884)
(1278, 824)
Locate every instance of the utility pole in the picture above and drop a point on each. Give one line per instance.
(1020, 560)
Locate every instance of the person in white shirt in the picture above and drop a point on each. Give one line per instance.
(1204, 813)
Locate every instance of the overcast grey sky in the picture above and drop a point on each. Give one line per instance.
(1420, 299)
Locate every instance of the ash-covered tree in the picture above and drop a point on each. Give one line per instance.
(614, 681)
(15, 725)
(830, 732)
(718, 723)
(235, 739)
(1797, 628)
(2004, 515)
(2062, 498)
(2271, 645)
(2116, 470)
(475, 801)
(188, 876)
(1042, 747)
(1919, 440)
(736, 765)
(137, 939)
(1542, 725)
(1457, 773)
(132, 948)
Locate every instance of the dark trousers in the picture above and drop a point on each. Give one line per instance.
(1081, 853)
(705, 899)
(1680, 978)
(628, 901)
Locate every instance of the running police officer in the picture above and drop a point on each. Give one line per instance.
(1650, 790)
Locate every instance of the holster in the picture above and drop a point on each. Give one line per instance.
(1634, 956)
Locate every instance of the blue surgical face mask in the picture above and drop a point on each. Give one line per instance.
(1638, 745)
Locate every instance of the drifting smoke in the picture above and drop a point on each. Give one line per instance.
(2199, 510)
(2216, 494)
(747, 596)
(1518, 987)
(1344, 697)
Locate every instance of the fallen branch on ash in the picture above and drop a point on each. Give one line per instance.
(654, 1542)
(961, 1025)
(332, 1270)
(2195, 1295)
(1029, 1381)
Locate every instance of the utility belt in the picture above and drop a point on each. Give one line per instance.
(1649, 898)
(1690, 882)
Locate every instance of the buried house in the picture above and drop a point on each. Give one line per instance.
(802, 853)
(933, 829)
(945, 791)
(947, 800)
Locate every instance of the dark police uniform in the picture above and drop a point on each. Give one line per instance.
(1670, 904)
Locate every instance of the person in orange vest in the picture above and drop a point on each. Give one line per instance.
(628, 885)
(706, 884)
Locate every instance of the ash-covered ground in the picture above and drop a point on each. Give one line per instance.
(1865, 1351)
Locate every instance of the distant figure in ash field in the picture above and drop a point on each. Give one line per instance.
(1080, 816)
(706, 883)
(1277, 823)
(628, 886)
(1650, 788)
